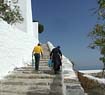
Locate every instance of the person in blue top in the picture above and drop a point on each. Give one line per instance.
(56, 56)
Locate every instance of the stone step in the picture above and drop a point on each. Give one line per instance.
(52, 89)
(43, 63)
(30, 67)
(45, 49)
(38, 83)
(7, 93)
(28, 93)
(44, 59)
(18, 88)
(31, 82)
(38, 72)
(40, 69)
(29, 71)
(24, 82)
(46, 56)
(30, 76)
(23, 89)
(40, 64)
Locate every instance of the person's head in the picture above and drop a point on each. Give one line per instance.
(39, 44)
(58, 47)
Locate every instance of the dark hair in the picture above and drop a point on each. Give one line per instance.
(58, 47)
(39, 44)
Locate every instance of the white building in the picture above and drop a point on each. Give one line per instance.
(17, 41)
(26, 11)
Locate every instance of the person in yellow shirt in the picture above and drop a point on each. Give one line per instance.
(37, 51)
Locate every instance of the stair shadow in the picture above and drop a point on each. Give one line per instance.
(51, 72)
(55, 86)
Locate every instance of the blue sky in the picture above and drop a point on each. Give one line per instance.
(67, 23)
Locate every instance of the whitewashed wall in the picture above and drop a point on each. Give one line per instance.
(15, 47)
(26, 10)
(23, 10)
(35, 30)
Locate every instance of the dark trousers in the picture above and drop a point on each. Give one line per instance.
(37, 59)
(56, 66)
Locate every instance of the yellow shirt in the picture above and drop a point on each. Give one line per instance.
(37, 49)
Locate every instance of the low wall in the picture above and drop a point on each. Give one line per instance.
(15, 47)
(91, 84)
(71, 85)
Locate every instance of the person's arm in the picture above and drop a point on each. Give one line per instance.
(33, 50)
(51, 54)
(60, 54)
(41, 52)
